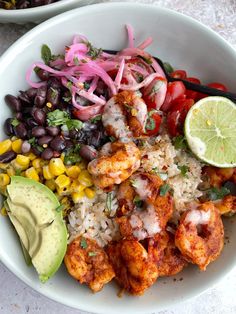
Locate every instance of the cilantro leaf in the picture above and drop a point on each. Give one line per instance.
(92, 51)
(137, 201)
(216, 194)
(15, 122)
(96, 118)
(164, 189)
(109, 201)
(46, 54)
(180, 142)
(74, 124)
(184, 169)
(168, 68)
(83, 243)
(92, 253)
(57, 117)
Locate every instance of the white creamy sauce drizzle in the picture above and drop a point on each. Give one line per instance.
(141, 188)
(197, 145)
(198, 217)
(141, 109)
(114, 117)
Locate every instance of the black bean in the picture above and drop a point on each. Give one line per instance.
(95, 139)
(47, 154)
(52, 130)
(53, 96)
(13, 102)
(21, 131)
(31, 92)
(87, 126)
(8, 128)
(40, 98)
(19, 116)
(24, 97)
(8, 156)
(31, 122)
(58, 143)
(26, 110)
(43, 75)
(44, 140)
(54, 83)
(69, 144)
(87, 152)
(36, 151)
(38, 131)
(39, 116)
(25, 147)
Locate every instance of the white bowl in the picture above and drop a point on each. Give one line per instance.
(183, 42)
(42, 13)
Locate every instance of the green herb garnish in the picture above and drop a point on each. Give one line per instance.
(74, 124)
(168, 68)
(46, 54)
(164, 189)
(92, 253)
(180, 142)
(86, 85)
(162, 175)
(92, 51)
(15, 122)
(137, 201)
(147, 60)
(216, 194)
(59, 117)
(54, 92)
(109, 201)
(83, 243)
(18, 172)
(96, 118)
(112, 138)
(150, 123)
(76, 60)
(184, 169)
(67, 99)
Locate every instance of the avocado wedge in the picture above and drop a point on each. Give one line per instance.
(32, 209)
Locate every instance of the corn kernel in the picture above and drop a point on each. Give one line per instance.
(16, 145)
(31, 156)
(62, 157)
(4, 166)
(23, 160)
(76, 186)
(31, 173)
(63, 191)
(56, 166)
(50, 184)
(5, 146)
(4, 179)
(73, 172)
(11, 171)
(85, 178)
(47, 173)
(3, 211)
(82, 165)
(62, 181)
(36, 163)
(89, 193)
(77, 196)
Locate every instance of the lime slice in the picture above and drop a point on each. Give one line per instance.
(210, 130)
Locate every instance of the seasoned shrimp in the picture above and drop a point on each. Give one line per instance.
(151, 211)
(216, 177)
(227, 206)
(88, 263)
(125, 115)
(135, 272)
(116, 162)
(200, 235)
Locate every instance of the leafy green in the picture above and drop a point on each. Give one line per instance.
(112, 138)
(183, 169)
(46, 54)
(54, 92)
(59, 117)
(83, 243)
(216, 194)
(164, 189)
(137, 201)
(92, 51)
(150, 124)
(15, 122)
(72, 156)
(180, 142)
(67, 99)
(96, 118)
(86, 85)
(74, 124)
(109, 201)
(168, 68)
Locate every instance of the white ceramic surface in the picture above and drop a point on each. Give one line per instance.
(42, 13)
(177, 39)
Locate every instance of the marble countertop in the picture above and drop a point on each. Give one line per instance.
(16, 297)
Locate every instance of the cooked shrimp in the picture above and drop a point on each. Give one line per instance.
(153, 211)
(200, 235)
(88, 263)
(116, 162)
(135, 272)
(125, 115)
(125, 196)
(216, 177)
(227, 205)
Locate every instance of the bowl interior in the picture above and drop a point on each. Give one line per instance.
(177, 39)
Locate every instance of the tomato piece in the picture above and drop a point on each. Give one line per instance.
(180, 74)
(153, 123)
(154, 94)
(218, 86)
(175, 90)
(191, 93)
(176, 116)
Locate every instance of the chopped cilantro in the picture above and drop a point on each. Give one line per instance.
(109, 201)
(112, 138)
(137, 201)
(215, 193)
(59, 117)
(83, 243)
(148, 60)
(92, 253)
(180, 142)
(54, 92)
(72, 157)
(69, 85)
(15, 122)
(86, 85)
(74, 124)
(150, 124)
(18, 172)
(96, 118)
(164, 189)
(46, 54)
(184, 169)
(162, 175)
(76, 60)
(92, 51)
(168, 68)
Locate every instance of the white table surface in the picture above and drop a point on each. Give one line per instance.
(16, 297)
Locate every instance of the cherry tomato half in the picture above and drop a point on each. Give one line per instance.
(176, 116)
(175, 90)
(180, 74)
(218, 86)
(191, 93)
(153, 123)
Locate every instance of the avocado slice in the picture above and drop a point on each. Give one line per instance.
(32, 208)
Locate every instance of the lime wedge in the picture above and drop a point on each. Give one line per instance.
(210, 130)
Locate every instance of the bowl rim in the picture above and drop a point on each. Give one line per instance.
(5, 59)
(48, 8)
